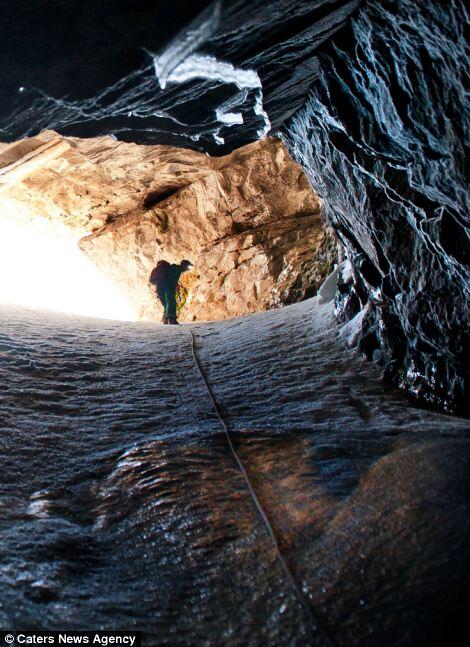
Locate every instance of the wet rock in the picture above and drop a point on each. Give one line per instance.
(401, 535)
(382, 141)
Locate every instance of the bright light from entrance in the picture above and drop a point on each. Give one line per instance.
(41, 266)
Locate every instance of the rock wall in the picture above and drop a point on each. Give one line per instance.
(251, 224)
(96, 180)
(211, 74)
(382, 139)
(249, 221)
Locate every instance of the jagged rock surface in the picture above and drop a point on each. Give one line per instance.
(251, 225)
(382, 139)
(249, 221)
(97, 179)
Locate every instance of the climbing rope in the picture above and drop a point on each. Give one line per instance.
(257, 503)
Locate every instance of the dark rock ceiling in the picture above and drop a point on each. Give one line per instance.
(86, 68)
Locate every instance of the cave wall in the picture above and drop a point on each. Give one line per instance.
(382, 139)
(92, 181)
(211, 75)
(250, 223)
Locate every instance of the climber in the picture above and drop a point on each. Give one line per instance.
(165, 277)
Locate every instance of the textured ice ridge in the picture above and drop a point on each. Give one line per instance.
(382, 138)
(186, 42)
(178, 63)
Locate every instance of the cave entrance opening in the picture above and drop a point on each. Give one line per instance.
(42, 267)
(84, 221)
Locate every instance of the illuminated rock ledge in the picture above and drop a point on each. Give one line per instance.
(249, 221)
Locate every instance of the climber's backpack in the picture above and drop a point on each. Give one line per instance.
(159, 272)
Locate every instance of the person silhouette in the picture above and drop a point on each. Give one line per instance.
(165, 277)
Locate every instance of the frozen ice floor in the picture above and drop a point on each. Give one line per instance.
(122, 507)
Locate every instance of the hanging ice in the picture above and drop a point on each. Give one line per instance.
(197, 66)
(223, 113)
(178, 63)
(131, 103)
(186, 42)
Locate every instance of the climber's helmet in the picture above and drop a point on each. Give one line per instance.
(186, 266)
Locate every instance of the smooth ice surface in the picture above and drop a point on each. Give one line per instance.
(122, 506)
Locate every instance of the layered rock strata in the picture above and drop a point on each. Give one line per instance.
(93, 181)
(382, 138)
(251, 225)
(249, 221)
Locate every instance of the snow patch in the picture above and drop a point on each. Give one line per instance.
(346, 272)
(39, 505)
(223, 113)
(350, 331)
(200, 66)
(327, 290)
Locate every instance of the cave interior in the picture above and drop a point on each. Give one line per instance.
(309, 158)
